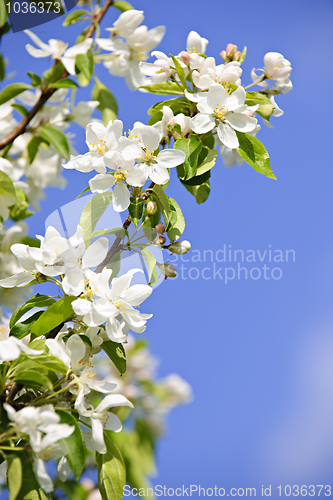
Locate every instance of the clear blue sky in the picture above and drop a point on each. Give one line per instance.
(258, 353)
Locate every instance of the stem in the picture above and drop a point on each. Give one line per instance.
(255, 83)
(116, 244)
(20, 128)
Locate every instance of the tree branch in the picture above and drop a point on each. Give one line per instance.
(20, 128)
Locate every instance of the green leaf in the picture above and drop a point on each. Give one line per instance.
(180, 71)
(107, 103)
(20, 330)
(3, 13)
(165, 88)
(55, 137)
(208, 162)
(14, 475)
(122, 6)
(32, 148)
(135, 210)
(30, 488)
(73, 17)
(191, 147)
(255, 154)
(55, 72)
(199, 187)
(35, 301)
(21, 109)
(178, 105)
(116, 353)
(92, 212)
(56, 314)
(6, 185)
(72, 489)
(150, 261)
(19, 210)
(50, 363)
(265, 109)
(177, 228)
(163, 203)
(111, 471)
(243, 55)
(65, 83)
(12, 91)
(31, 378)
(35, 79)
(74, 443)
(85, 63)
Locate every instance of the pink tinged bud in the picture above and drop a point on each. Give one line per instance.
(168, 270)
(248, 112)
(236, 56)
(160, 228)
(224, 55)
(180, 247)
(185, 57)
(151, 207)
(231, 50)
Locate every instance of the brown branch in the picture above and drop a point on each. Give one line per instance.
(116, 244)
(20, 128)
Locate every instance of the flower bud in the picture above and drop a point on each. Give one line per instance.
(180, 247)
(168, 270)
(151, 207)
(159, 240)
(160, 228)
(224, 55)
(236, 56)
(228, 54)
(185, 57)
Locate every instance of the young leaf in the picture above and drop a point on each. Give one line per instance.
(74, 443)
(265, 109)
(162, 201)
(35, 301)
(177, 228)
(73, 17)
(111, 471)
(119, 231)
(165, 88)
(3, 14)
(32, 148)
(21, 109)
(107, 103)
(55, 137)
(122, 6)
(92, 212)
(12, 91)
(65, 83)
(191, 147)
(178, 105)
(150, 261)
(35, 79)
(85, 63)
(6, 185)
(56, 314)
(135, 210)
(14, 475)
(20, 330)
(180, 71)
(199, 187)
(208, 162)
(243, 55)
(116, 353)
(255, 154)
(30, 378)
(19, 210)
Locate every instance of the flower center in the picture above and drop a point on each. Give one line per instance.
(119, 176)
(220, 112)
(97, 147)
(147, 156)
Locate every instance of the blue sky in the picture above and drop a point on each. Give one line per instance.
(258, 353)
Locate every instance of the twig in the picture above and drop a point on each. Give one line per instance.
(20, 128)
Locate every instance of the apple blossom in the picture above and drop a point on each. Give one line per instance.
(217, 107)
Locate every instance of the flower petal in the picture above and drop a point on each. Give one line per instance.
(227, 136)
